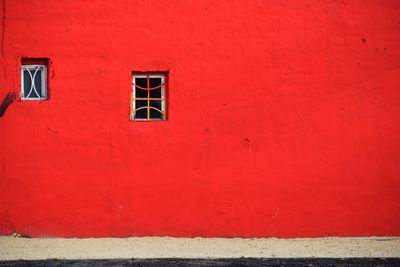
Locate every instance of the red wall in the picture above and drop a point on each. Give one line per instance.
(284, 119)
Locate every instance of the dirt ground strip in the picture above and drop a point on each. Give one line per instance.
(16, 248)
(233, 262)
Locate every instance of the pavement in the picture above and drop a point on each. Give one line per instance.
(164, 251)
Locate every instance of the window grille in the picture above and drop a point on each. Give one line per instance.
(148, 97)
(33, 82)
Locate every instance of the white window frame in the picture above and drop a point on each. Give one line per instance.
(30, 67)
(163, 99)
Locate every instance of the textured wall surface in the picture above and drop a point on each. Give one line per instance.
(284, 119)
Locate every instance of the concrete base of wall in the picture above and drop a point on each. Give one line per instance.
(13, 248)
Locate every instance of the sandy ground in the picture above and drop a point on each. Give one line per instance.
(12, 248)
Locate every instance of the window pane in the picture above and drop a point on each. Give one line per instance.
(140, 103)
(34, 80)
(38, 83)
(156, 104)
(154, 82)
(27, 83)
(156, 93)
(37, 90)
(154, 114)
(142, 82)
(141, 114)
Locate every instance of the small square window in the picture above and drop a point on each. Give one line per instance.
(33, 82)
(148, 97)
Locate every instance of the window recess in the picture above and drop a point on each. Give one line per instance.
(148, 101)
(34, 79)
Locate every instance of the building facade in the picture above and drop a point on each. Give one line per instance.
(200, 118)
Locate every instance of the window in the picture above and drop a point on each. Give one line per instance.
(148, 97)
(33, 80)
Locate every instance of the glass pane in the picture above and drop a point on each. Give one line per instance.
(154, 114)
(154, 82)
(38, 83)
(156, 93)
(27, 83)
(140, 103)
(156, 104)
(141, 114)
(142, 82)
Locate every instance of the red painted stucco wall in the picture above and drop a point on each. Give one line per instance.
(284, 119)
